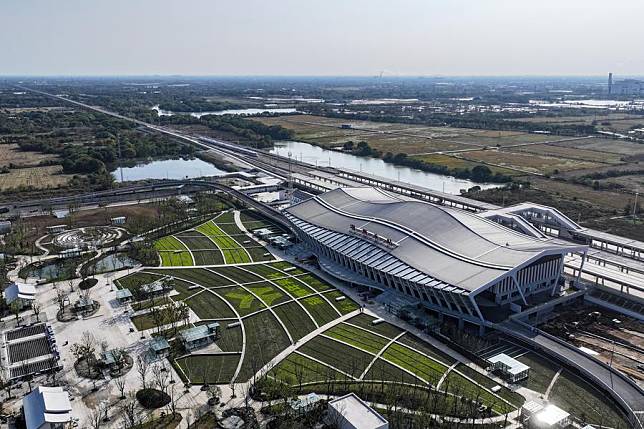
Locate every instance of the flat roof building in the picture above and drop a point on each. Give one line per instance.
(453, 261)
(47, 408)
(199, 336)
(24, 293)
(512, 369)
(550, 416)
(351, 412)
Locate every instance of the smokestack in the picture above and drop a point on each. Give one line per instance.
(610, 83)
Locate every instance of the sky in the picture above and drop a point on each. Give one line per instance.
(321, 37)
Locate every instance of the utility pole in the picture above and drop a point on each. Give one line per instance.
(118, 146)
(289, 192)
(635, 205)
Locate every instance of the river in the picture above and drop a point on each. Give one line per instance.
(242, 112)
(324, 157)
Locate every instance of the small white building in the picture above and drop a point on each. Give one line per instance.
(24, 293)
(47, 408)
(549, 417)
(351, 412)
(512, 369)
(119, 220)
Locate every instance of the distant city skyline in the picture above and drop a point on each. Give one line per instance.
(322, 38)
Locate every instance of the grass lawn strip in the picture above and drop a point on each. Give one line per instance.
(293, 297)
(207, 304)
(365, 321)
(134, 280)
(265, 339)
(508, 395)
(344, 306)
(209, 369)
(192, 257)
(343, 357)
(173, 252)
(297, 369)
(298, 322)
(235, 252)
(361, 339)
(422, 366)
(320, 309)
(377, 358)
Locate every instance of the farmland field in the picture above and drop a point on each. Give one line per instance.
(49, 176)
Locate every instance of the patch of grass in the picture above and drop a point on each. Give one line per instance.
(295, 288)
(268, 293)
(514, 398)
(243, 301)
(419, 345)
(232, 250)
(211, 369)
(207, 305)
(316, 283)
(259, 254)
(265, 338)
(541, 372)
(265, 270)
(382, 370)
(422, 366)
(321, 311)
(460, 386)
(357, 337)
(344, 306)
(287, 268)
(585, 402)
(143, 322)
(135, 280)
(200, 276)
(208, 257)
(295, 319)
(297, 369)
(384, 328)
(345, 358)
(237, 274)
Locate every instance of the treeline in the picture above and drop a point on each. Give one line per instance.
(249, 132)
(487, 120)
(479, 173)
(198, 105)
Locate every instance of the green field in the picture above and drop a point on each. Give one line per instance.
(209, 369)
(357, 337)
(232, 251)
(321, 311)
(207, 305)
(173, 252)
(295, 319)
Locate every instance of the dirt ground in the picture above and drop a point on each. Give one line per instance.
(620, 344)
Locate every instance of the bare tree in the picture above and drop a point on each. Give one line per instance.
(142, 366)
(36, 307)
(61, 298)
(129, 410)
(16, 308)
(161, 379)
(119, 382)
(96, 418)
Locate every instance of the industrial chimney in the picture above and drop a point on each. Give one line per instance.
(610, 83)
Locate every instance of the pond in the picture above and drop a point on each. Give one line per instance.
(324, 157)
(57, 269)
(113, 262)
(168, 169)
(242, 112)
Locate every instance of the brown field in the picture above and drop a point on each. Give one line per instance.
(607, 145)
(457, 162)
(582, 119)
(570, 153)
(634, 183)
(11, 154)
(527, 162)
(37, 177)
(604, 199)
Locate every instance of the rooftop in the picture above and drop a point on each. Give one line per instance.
(514, 366)
(46, 405)
(23, 291)
(550, 415)
(357, 412)
(198, 332)
(466, 250)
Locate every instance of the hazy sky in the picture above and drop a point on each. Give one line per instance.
(322, 37)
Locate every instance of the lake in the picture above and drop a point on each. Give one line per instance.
(242, 112)
(168, 169)
(324, 157)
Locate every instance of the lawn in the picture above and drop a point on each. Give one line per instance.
(143, 321)
(295, 319)
(315, 282)
(208, 257)
(232, 250)
(294, 287)
(383, 328)
(265, 271)
(422, 366)
(201, 276)
(237, 274)
(541, 372)
(207, 305)
(345, 305)
(173, 253)
(268, 293)
(265, 338)
(357, 337)
(460, 386)
(321, 311)
(297, 369)
(383, 370)
(345, 358)
(287, 268)
(421, 346)
(585, 402)
(135, 280)
(211, 369)
(243, 301)
(514, 398)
